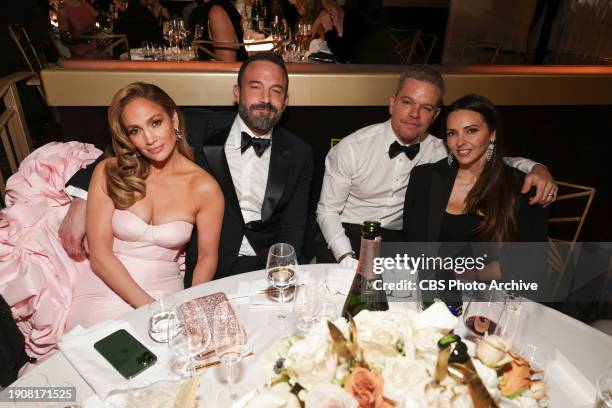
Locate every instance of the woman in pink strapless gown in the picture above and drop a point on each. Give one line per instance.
(141, 208)
(137, 223)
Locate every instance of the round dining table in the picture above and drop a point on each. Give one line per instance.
(578, 353)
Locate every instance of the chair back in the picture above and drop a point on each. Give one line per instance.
(413, 46)
(26, 48)
(207, 46)
(567, 218)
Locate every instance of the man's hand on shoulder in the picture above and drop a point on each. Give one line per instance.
(72, 230)
(543, 181)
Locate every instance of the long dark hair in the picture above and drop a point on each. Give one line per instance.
(493, 193)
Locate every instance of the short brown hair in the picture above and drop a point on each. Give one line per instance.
(424, 73)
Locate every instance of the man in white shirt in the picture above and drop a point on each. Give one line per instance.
(367, 173)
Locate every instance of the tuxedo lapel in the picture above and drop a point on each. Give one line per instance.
(277, 174)
(442, 183)
(214, 150)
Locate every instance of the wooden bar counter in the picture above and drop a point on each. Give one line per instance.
(92, 83)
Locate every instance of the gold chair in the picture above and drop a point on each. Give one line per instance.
(413, 46)
(478, 46)
(574, 202)
(106, 43)
(206, 45)
(28, 52)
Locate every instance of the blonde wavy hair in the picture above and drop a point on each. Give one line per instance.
(125, 177)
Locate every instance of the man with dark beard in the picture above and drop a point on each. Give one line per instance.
(263, 170)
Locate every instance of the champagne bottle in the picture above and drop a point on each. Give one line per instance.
(363, 294)
(256, 16)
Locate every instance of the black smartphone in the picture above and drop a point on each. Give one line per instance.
(125, 353)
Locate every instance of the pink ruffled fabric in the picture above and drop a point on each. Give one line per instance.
(37, 277)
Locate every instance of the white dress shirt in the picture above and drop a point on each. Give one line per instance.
(249, 174)
(363, 183)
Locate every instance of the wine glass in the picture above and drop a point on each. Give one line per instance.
(159, 313)
(484, 311)
(230, 346)
(511, 322)
(188, 335)
(281, 269)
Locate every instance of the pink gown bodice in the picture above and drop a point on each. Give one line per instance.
(148, 252)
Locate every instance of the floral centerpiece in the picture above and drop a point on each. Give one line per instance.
(392, 359)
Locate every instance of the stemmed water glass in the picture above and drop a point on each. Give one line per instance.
(285, 35)
(281, 269)
(230, 341)
(188, 335)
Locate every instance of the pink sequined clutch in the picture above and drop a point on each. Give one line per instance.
(208, 304)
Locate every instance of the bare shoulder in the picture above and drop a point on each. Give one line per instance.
(202, 183)
(101, 167)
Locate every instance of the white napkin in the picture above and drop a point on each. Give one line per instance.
(338, 280)
(249, 293)
(437, 315)
(318, 45)
(565, 377)
(77, 346)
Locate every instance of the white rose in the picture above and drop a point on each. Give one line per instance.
(426, 344)
(329, 396)
(312, 359)
(378, 336)
(404, 377)
(269, 357)
(277, 396)
(488, 376)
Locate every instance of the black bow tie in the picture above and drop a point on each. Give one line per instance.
(411, 151)
(259, 144)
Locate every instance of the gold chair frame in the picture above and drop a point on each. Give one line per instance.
(411, 45)
(201, 44)
(558, 262)
(106, 43)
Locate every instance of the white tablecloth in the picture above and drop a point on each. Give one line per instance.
(588, 350)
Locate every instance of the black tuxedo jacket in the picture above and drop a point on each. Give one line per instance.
(427, 196)
(284, 210)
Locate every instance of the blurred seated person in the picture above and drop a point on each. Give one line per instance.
(222, 24)
(160, 13)
(139, 24)
(77, 18)
(472, 195)
(359, 35)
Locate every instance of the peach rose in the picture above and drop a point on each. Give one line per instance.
(367, 388)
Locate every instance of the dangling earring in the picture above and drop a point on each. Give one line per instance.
(450, 159)
(490, 149)
(178, 134)
(136, 154)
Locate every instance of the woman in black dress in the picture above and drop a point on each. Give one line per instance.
(221, 22)
(473, 195)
